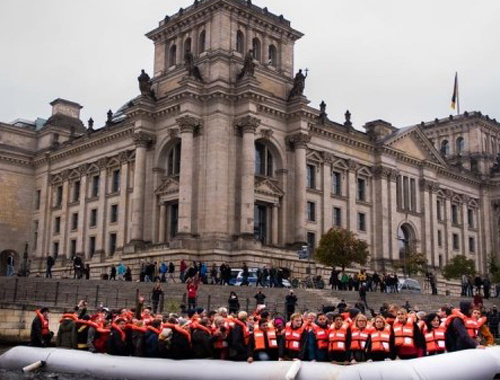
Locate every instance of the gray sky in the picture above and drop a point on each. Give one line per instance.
(386, 59)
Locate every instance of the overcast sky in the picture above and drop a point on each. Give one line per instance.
(385, 59)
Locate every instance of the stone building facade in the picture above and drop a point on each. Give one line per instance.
(220, 158)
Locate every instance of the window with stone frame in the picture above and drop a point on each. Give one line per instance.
(113, 215)
(91, 249)
(115, 181)
(337, 217)
(337, 183)
(172, 219)
(261, 222)
(57, 224)
(311, 211)
(311, 243)
(76, 191)
(38, 197)
(58, 195)
(35, 234)
(202, 42)
(361, 189)
(240, 42)
(256, 48)
(361, 221)
(72, 247)
(174, 160)
(93, 218)
(264, 160)
(456, 242)
(406, 193)
(472, 245)
(172, 56)
(439, 209)
(272, 56)
(55, 249)
(311, 176)
(188, 45)
(112, 243)
(74, 221)
(459, 145)
(440, 238)
(445, 148)
(95, 186)
(470, 218)
(455, 218)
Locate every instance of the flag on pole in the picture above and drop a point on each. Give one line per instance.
(454, 98)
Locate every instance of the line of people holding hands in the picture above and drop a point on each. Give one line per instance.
(346, 337)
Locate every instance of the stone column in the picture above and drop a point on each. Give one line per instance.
(123, 205)
(102, 208)
(426, 207)
(465, 229)
(448, 235)
(275, 232)
(187, 127)
(247, 126)
(433, 188)
(352, 186)
(299, 142)
(327, 219)
(393, 230)
(381, 214)
(81, 243)
(141, 140)
(65, 218)
(162, 223)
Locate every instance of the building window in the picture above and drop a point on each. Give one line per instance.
(361, 189)
(76, 191)
(440, 258)
(172, 56)
(59, 195)
(361, 221)
(260, 226)
(413, 195)
(35, 234)
(470, 217)
(74, 221)
(187, 45)
(173, 219)
(263, 160)
(93, 218)
(174, 160)
(112, 243)
(311, 176)
(95, 186)
(91, 246)
(460, 145)
(456, 242)
(445, 148)
(440, 238)
(454, 214)
(202, 42)
(272, 57)
(337, 217)
(311, 243)
(472, 245)
(72, 247)
(311, 211)
(115, 185)
(240, 42)
(38, 197)
(439, 210)
(55, 249)
(337, 183)
(256, 49)
(57, 225)
(114, 214)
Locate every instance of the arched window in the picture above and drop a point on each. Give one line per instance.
(460, 145)
(172, 55)
(202, 42)
(187, 45)
(263, 160)
(256, 49)
(445, 148)
(174, 160)
(240, 42)
(272, 56)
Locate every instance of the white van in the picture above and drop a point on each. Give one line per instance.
(409, 285)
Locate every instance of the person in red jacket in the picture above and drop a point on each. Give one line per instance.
(192, 291)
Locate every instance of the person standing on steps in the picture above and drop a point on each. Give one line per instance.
(50, 264)
(290, 302)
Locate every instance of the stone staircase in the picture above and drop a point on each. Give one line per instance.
(65, 293)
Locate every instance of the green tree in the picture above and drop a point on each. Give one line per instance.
(414, 263)
(493, 268)
(339, 247)
(458, 266)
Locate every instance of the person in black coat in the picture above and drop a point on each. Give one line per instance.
(291, 302)
(40, 333)
(239, 338)
(151, 340)
(260, 298)
(233, 303)
(456, 335)
(117, 341)
(202, 339)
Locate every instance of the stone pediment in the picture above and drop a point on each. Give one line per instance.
(413, 143)
(266, 186)
(169, 185)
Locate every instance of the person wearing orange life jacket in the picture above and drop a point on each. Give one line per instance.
(146, 316)
(483, 334)
(67, 335)
(221, 344)
(457, 336)
(359, 338)
(380, 345)
(434, 334)
(151, 339)
(263, 345)
(339, 338)
(117, 341)
(98, 334)
(180, 343)
(317, 347)
(239, 338)
(137, 330)
(295, 343)
(82, 331)
(409, 341)
(202, 339)
(40, 333)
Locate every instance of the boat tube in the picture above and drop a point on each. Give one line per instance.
(468, 364)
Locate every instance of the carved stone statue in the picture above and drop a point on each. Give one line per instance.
(299, 84)
(145, 84)
(192, 69)
(322, 112)
(248, 66)
(496, 166)
(347, 121)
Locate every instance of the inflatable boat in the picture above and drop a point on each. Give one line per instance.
(468, 364)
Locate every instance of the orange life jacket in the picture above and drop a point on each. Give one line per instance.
(292, 338)
(260, 343)
(246, 330)
(153, 329)
(381, 340)
(141, 329)
(197, 326)
(359, 338)
(68, 316)
(435, 339)
(404, 333)
(321, 334)
(45, 323)
(179, 329)
(120, 331)
(147, 319)
(337, 338)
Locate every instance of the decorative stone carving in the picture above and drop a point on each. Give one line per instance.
(247, 124)
(328, 158)
(351, 164)
(173, 133)
(102, 163)
(298, 140)
(189, 124)
(381, 172)
(123, 156)
(65, 174)
(448, 193)
(83, 169)
(142, 139)
(267, 133)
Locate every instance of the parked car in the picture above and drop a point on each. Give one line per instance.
(237, 278)
(409, 285)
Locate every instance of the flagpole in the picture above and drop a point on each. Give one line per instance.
(458, 97)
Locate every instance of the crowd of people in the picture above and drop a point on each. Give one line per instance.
(340, 333)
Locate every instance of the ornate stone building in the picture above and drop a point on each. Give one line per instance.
(220, 158)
